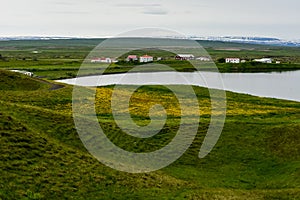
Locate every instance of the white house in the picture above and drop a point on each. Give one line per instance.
(184, 57)
(232, 60)
(205, 59)
(102, 60)
(23, 72)
(146, 58)
(263, 60)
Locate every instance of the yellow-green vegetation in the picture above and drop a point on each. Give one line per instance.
(42, 157)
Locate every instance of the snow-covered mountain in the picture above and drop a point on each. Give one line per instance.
(251, 40)
(33, 38)
(238, 39)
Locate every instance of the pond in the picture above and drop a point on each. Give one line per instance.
(283, 85)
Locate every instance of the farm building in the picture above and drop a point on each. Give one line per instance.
(146, 58)
(96, 60)
(23, 72)
(205, 59)
(184, 57)
(131, 58)
(232, 60)
(263, 60)
(102, 60)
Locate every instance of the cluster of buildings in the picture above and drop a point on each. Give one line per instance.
(238, 60)
(130, 58)
(191, 57)
(147, 58)
(143, 59)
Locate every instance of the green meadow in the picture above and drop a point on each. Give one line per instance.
(42, 156)
(58, 59)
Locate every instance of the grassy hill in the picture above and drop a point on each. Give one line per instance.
(42, 157)
(16, 82)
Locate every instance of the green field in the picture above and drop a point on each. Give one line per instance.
(57, 59)
(42, 156)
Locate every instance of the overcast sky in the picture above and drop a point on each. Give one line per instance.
(96, 18)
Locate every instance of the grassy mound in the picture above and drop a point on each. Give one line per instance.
(17, 82)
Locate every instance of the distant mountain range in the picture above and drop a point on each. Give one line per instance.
(251, 40)
(247, 40)
(34, 38)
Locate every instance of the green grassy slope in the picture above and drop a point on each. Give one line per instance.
(42, 157)
(23, 83)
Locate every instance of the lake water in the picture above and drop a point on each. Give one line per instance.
(284, 85)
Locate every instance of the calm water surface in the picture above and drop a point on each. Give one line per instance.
(285, 85)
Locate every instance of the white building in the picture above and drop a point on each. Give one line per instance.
(263, 60)
(23, 72)
(146, 58)
(205, 59)
(232, 60)
(95, 60)
(102, 60)
(185, 57)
